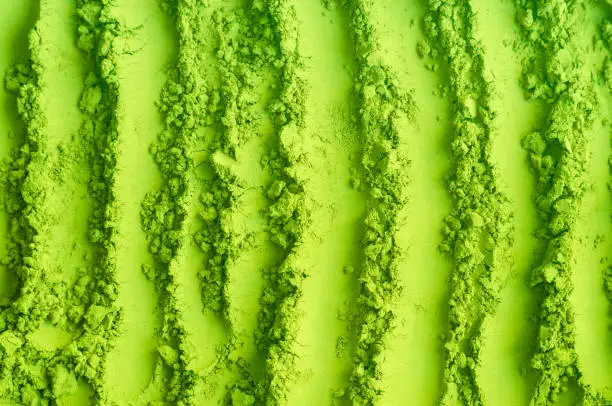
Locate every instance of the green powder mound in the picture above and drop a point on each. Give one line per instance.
(287, 213)
(85, 311)
(245, 50)
(382, 104)
(477, 231)
(21, 176)
(250, 41)
(555, 72)
(29, 374)
(276, 47)
(35, 299)
(184, 105)
(97, 292)
(217, 237)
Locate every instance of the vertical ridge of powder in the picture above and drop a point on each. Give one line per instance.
(385, 175)
(93, 298)
(477, 231)
(554, 73)
(185, 105)
(287, 212)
